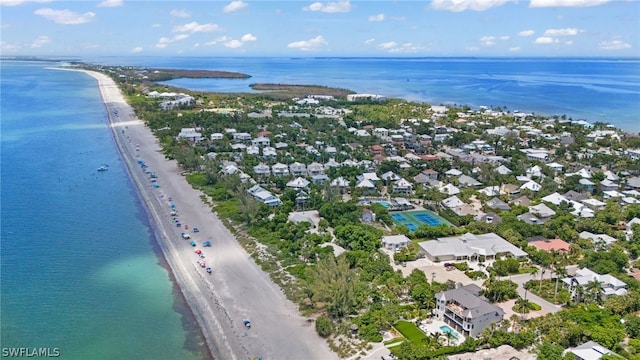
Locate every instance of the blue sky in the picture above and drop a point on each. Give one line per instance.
(511, 28)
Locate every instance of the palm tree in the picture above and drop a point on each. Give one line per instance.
(561, 271)
(449, 336)
(515, 323)
(594, 290)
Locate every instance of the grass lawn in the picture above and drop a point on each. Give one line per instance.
(410, 331)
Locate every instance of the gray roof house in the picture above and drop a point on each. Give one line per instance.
(496, 203)
(469, 247)
(609, 285)
(298, 169)
(466, 311)
(590, 350)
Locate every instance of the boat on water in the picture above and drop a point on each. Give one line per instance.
(103, 167)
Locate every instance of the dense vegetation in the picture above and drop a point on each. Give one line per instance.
(358, 292)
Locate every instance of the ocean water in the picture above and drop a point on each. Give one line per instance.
(79, 271)
(593, 89)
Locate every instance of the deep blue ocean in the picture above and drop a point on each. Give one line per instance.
(79, 271)
(592, 89)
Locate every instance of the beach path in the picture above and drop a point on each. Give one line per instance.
(237, 288)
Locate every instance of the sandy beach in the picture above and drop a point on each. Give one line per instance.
(237, 288)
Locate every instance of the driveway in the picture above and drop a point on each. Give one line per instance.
(523, 278)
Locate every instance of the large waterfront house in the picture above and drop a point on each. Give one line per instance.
(466, 311)
(469, 247)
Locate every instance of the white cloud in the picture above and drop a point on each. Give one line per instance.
(388, 45)
(6, 47)
(546, 40)
(110, 3)
(155, 25)
(330, 7)
(233, 44)
(505, 37)
(374, 18)
(462, 5)
(406, 48)
(180, 13)
(136, 50)
(614, 45)
(488, 40)
(235, 6)
(566, 3)
(309, 45)
(195, 27)
(248, 37)
(515, 48)
(370, 41)
(526, 33)
(39, 41)
(65, 17)
(220, 39)
(164, 41)
(20, 2)
(562, 32)
(568, 42)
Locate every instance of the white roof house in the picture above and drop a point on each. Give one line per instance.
(531, 185)
(298, 183)
(395, 241)
(452, 202)
(503, 170)
(449, 189)
(390, 176)
(590, 350)
(371, 176)
(598, 238)
(609, 285)
(555, 199)
(365, 184)
(190, 134)
(453, 172)
(340, 182)
(280, 169)
(469, 247)
(262, 169)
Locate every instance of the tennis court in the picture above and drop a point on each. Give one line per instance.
(414, 219)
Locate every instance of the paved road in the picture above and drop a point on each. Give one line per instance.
(523, 278)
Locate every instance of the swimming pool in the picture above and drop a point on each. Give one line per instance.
(447, 329)
(384, 203)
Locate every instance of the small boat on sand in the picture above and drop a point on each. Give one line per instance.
(206, 243)
(209, 270)
(193, 243)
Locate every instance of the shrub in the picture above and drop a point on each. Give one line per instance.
(324, 326)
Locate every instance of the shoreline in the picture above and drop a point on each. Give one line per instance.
(237, 289)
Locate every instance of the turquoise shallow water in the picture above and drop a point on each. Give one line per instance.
(78, 267)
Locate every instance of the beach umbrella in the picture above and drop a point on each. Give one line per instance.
(198, 251)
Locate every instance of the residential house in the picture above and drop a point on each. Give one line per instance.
(253, 150)
(390, 176)
(261, 141)
(262, 169)
(466, 311)
(496, 203)
(366, 185)
(470, 247)
(263, 196)
(269, 152)
(190, 134)
(573, 195)
(370, 176)
(590, 350)
(449, 189)
(377, 150)
(280, 169)
(551, 245)
(609, 285)
(608, 185)
(319, 179)
(394, 242)
(629, 227)
(503, 170)
(368, 216)
(315, 169)
(510, 189)
(468, 181)
(340, 183)
(241, 137)
(402, 186)
(298, 183)
(531, 186)
(298, 169)
(602, 240)
(217, 136)
(529, 218)
(542, 211)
